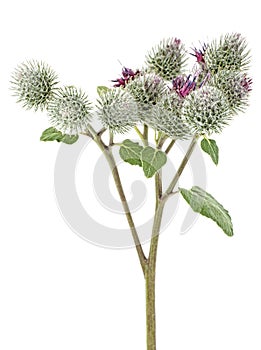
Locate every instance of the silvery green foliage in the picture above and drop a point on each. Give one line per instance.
(207, 110)
(117, 110)
(34, 83)
(229, 53)
(166, 116)
(147, 90)
(69, 110)
(167, 59)
(235, 86)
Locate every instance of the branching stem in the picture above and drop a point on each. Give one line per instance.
(148, 265)
(115, 173)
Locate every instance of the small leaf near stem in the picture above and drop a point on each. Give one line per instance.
(102, 89)
(52, 134)
(130, 152)
(152, 160)
(69, 139)
(210, 147)
(203, 203)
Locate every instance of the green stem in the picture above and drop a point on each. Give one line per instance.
(182, 166)
(162, 138)
(158, 186)
(150, 279)
(170, 146)
(148, 265)
(146, 134)
(141, 136)
(111, 136)
(115, 173)
(150, 271)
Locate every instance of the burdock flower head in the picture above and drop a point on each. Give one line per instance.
(229, 53)
(34, 83)
(235, 86)
(207, 110)
(69, 110)
(167, 59)
(147, 90)
(117, 110)
(166, 116)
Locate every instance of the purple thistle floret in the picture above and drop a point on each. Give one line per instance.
(127, 75)
(199, 54)
(246, 83)
(184, 86)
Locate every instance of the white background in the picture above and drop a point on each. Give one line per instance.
(60, 292)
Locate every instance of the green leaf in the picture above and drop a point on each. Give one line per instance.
(130, 152)
(203, 203)
(51, 134)
(210, 147)
(152, 160)
(69, 139)
(102, 89)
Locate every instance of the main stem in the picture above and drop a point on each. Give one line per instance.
(150, 271)
(148, 264)
(150, 279)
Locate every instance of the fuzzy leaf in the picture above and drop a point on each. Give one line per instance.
(210, 147)
(130, 152)
(102, 89)
(152, 160)
(51, 134)
(203, 203)
(69, 139)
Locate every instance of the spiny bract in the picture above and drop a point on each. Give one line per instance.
(69, 110)
(229, 53)
(167, 59)
(117, 110)
(206, 110)
(147, 90)
(235, 86)
(34, 83)
(166, 117)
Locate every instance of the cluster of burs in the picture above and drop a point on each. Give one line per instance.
(160, 94)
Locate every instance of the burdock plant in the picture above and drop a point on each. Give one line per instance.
(159, 99)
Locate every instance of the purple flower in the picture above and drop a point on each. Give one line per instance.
(199, 54)
(183, 86)
(127, 75)
(246, 83)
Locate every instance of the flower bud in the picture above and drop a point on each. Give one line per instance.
(33, 83)
(235, 86)
(229, 53)
(167, 59)
(69, 110)
(166, 116)
(206, 110)
(117, 110)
